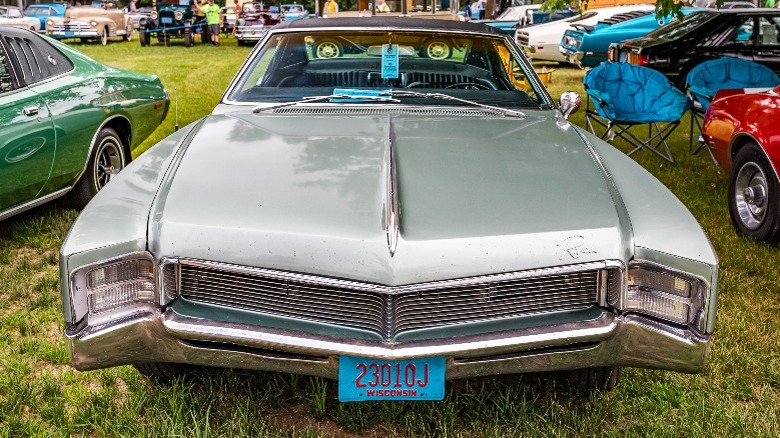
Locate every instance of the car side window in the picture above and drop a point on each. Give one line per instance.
(6, 82)
(34, 58)
(744, 33)
(14, 13)
(768, 31)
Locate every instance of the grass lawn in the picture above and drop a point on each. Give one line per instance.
(41, 395)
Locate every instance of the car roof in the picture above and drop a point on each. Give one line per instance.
(382, 23)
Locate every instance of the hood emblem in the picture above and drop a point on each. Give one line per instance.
(574, 246)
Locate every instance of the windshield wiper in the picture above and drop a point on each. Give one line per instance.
(335, 97)
(505, 111)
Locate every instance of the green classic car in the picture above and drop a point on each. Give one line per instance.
(392, 203)
(67, 122)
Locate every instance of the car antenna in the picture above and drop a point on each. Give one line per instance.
(176, 110)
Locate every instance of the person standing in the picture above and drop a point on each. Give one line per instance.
(467, 11)
(382, 6)
(212, 20)
(476, 11)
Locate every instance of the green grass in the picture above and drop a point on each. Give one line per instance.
(41, 395)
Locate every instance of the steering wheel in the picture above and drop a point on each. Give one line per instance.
(467, 86)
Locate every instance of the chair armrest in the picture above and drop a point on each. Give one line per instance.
(701, 93)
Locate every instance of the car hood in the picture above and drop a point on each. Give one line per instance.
(311, 193)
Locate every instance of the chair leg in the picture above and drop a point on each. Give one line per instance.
(655, 143)
(697, 118)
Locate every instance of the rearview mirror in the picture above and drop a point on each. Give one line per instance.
(570, 102)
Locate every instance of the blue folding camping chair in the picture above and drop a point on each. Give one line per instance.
(627, 95)
(704, 80)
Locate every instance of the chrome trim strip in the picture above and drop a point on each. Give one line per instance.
(393, 290)
(32, 204)
(391, 194)
(151, 336)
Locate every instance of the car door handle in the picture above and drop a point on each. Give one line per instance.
(30, 110)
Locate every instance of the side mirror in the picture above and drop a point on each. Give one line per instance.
(570, 102)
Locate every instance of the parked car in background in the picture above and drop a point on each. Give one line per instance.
(293, 12)
(144, 12)
(254, 21)
(747, 33)
(229, 19)
(416, 211)
(68, 124)
(13, 16)
(742, 130)
(42, 11)
(88, 22)
(511, 18)
(173, 19)
(542, 41)
(587, 46)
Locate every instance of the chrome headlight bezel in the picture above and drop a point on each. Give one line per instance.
(178, 15)
(93, 23)
(153, 15)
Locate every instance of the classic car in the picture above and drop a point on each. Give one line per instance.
(229, 19)
(418, 212)
(88, 22)
(173, 19)
(144, 12)
(742, 131)
(293, 12)
(68, 124)
(13, 16)
(254, 21)
(542, 41)
(679, 46)
(43, 11)
(512, 18)
(587, 46)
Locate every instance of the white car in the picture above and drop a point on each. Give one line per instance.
(14, 17)
(542, 42)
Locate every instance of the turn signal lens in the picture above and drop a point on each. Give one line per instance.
(662, 293)
(120, 284)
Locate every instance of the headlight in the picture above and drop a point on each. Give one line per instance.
(664, 293)
(49, 23)
(117, 283)
(93, 23)
(178, 15)
(153, 15)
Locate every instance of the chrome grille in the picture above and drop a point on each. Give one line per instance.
(71, 26)
(383, 309)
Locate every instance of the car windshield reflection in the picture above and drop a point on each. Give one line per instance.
(294, 65)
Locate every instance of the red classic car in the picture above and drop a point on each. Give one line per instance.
(742, 130)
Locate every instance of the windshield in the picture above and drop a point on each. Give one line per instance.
(294, 65)
(679, 28)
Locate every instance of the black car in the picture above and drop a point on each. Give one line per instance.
(172, 19)
(674, 49)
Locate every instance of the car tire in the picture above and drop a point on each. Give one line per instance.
(161, 372)
(129, 32)
(328, 49)
(103, 38)
(108, 158)
(187, 36)
(437, 49)
(596, 379)
(143, 38)
(754, 195)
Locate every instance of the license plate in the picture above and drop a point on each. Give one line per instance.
(166, 20)
(362, 379)
(70, 33)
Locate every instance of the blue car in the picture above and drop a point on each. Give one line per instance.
(586, 46)
(42, 11)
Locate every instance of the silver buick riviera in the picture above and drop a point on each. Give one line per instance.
(392, 203)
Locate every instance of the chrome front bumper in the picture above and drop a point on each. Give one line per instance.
(151, 336)
(249, 33)
(73, 34)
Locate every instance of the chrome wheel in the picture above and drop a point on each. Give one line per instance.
(109, 160)
(438, 50)
(328, 49)
(104, 37)
(751, 193)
